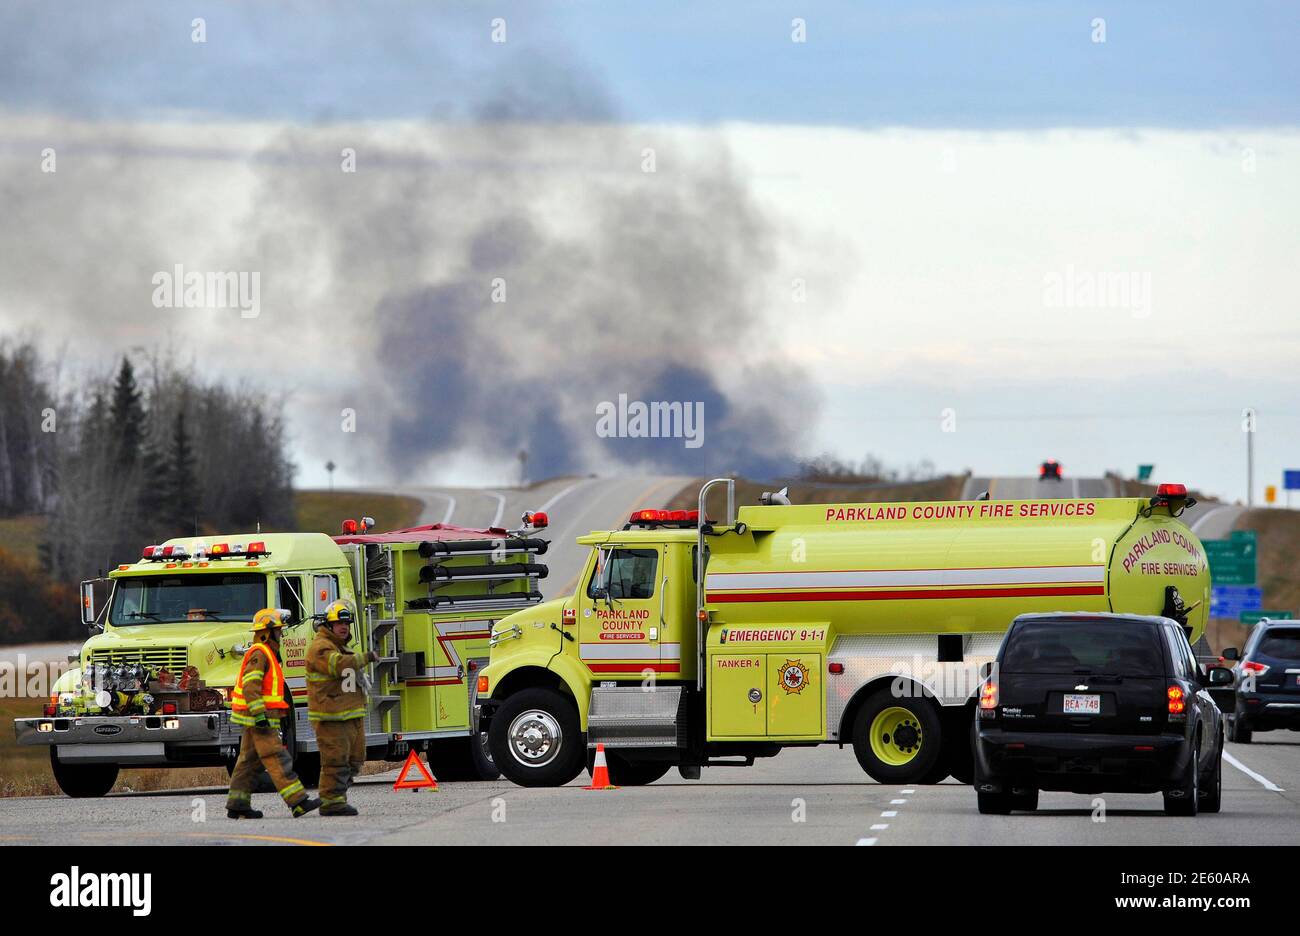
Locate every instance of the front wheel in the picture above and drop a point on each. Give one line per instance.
(462, 759)
(625, 772)
(536, 739)
(899, 740)
(82, 781)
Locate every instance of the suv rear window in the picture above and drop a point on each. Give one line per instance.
(1120, 648)
(1283, 643)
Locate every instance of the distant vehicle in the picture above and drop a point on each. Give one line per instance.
(1098, 703)
(1049, 470)
(1267, 691)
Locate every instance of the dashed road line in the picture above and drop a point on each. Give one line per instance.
(1258, 777)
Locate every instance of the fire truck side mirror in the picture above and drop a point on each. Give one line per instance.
(88, 603)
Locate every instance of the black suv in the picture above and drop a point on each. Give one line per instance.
(1267, 693)
(1098, 703)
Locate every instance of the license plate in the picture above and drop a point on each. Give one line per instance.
(1082, 704)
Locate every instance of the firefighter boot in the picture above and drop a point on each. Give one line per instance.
(311, 804)
(347, 809)
(243, 812)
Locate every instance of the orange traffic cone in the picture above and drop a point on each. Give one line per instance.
(600, 772)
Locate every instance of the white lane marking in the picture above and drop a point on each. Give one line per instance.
(907, 792)
(1259, 778)
(501, 507)
(451, 503)
(869, 841)
(889, 814)
(897, 802)
(1200, 521)
(563, 493)
(880, 827)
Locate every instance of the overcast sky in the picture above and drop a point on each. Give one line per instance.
(1073, 248)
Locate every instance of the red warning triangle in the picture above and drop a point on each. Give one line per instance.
(406, 782)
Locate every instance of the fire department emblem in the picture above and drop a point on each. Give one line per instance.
(794, 676)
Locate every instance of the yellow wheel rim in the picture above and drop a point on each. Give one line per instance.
(895, 735)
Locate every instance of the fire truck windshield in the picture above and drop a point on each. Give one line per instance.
(173, 598)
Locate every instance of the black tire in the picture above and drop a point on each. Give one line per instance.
(1241, 732)
(1212, 787)
(546, 723)
(1184, 798)
(923, 726)
(625, 772)
(82, 781)
(306, 764)
(307, 767)
(462, 759)
(1023, 799)
(993, 804)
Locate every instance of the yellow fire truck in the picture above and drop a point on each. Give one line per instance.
(153, 684)
(861, 624)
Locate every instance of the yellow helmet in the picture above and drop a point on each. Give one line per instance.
(340, 610)
(268, 618)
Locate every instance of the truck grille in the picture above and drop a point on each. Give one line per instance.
(173, 659)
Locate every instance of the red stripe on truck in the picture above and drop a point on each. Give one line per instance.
(633, 665)
(905, 594)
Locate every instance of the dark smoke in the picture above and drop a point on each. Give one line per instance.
(378, 284)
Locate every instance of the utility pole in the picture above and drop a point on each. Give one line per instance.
(330, 466)
(1248, 424)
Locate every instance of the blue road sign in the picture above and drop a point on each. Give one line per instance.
(1229, 601)
(1291, 479)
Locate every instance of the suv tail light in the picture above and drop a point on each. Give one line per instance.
(1250, 666)
(1177, 700)
(989, 695)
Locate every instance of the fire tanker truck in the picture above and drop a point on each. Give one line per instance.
(152, 686)
(692, 643)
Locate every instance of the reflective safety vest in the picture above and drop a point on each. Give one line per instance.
(271, 701)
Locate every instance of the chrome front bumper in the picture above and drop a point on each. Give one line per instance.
(206, 728)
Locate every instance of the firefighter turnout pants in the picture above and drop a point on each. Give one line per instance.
(262, 751)
(342, 753)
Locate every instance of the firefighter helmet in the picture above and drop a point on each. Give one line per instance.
(269, 618)
(340, 610)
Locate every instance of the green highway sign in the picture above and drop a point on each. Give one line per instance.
(1144, 472)
(1232, 561)
(1251, 618)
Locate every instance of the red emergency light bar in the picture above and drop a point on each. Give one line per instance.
(536, 519)
(1172, 495)
(656, 517)
(217, 551)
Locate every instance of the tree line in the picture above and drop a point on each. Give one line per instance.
(145, 452)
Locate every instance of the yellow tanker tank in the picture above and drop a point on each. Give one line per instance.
(954, 567)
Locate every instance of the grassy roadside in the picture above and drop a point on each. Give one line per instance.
(324, 511)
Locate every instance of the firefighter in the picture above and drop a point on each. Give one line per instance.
(258, 703)
(336, 705)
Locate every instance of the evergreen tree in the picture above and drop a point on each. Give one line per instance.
(180, 491)
(126, 417)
